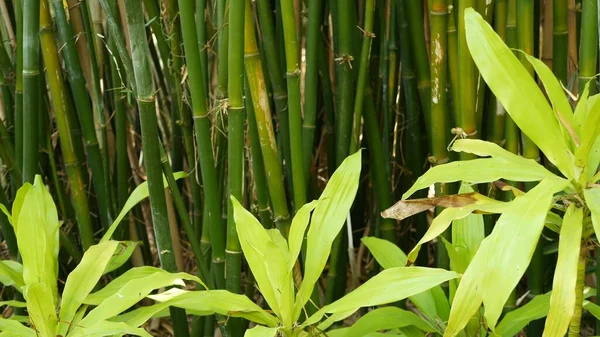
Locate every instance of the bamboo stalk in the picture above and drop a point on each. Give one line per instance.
(588, 46)
(59, 96)
(31, 87)
(560, 40)
(467, 81)
(151, 148)
(84, 112)
(19, 87)
(496, 115)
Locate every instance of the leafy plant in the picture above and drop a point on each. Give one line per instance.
(569, 140)
(272, 257)
(78, 311)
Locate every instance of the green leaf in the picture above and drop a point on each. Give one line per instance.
(82, 280)
(41, 308)
(217, 301)
(4, 210)
(139, 193)
(140, 315)
(518, 319)
(433, 303)
(517, 90)
(267, 262)
(261, 331)
(297, 231)
(18, 203)
(382, 319)
(581, 109)
(389, 286)
(589, 131)
(9, 325)
(593, 308)
(592, 200)
(482, 170)
(502, 257)
(327, 220)
(14, 304)
(562, 300)
(108, 328)
(122, 254)
(441, 222)
(593, 160)
(11, 274)
(132, 292)
(467, 233)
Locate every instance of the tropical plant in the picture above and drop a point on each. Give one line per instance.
(81, 309)
(272, 258)
(569, 140)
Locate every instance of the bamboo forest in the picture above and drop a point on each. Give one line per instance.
(299, 168)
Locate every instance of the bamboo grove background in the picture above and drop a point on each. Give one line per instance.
(260, 100)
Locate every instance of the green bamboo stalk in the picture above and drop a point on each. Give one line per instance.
(496, 115)
(84, 112)
(222, 48)
(362, 74)
(266, 134)
(235, 148)
(588, 45)
(560, 40)
(18, 118)
(511, 130)
(203, 137)
(202, 31)
(295, 113)
(31, 87)
(59, 101)
(414, 17)
(272, 51)
(392, 88)
(151, 148)
(311, 86)
(453, 71)
(467, 88)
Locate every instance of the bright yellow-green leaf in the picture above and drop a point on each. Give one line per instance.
(502, 258)
(132, 292)
(261, 331)
(592, 200)
(433, 302)
(467, 233)
(4, 210)
(265, 259)
(14, 304)
(517, 319)
(115, 285)
(108, 328)
(122, 254)
(327, 220)
(41, 308)
(445, 218)
(389, 286)
(514, 87)
(11, 274)
(139, 193)
(581, 109)
(482, 170)
(18, 329)
(217, 301)
(593, 160)
(593, 308)
(37, 237)
(589, 131)
(82, 280)
(562, 300)
(18, 203)
(382, 319)
(297, 231)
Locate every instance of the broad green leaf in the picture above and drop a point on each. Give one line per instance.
(562, 300)
(11, 274)
(433, 302)
(139, 193)
(14, 304)
(593, 308)
(560, 103)
(122, 254)
(261, 331)
(336, 317)
(297, 231)
(518, 319)
(9, 325)
(553, 222)
(441, 222)
(327, 220)
(518, 92)
(382, 319)
(141, 315)
(581, 109)
(482, 170)
(592, 200)
(132, 292)
(41, 308)
(467, 233)
(82, 280)
(217, 301)
(265, 259)
(10, 334)
(18, 203)
(37, 237)
(389, 286)
(593, 160)
(108, 328)
(503, 257)
(589, 131)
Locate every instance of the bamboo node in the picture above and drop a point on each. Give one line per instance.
(367, 34)
(458, 132)
(345, 58)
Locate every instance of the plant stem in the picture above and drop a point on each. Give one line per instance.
(588, 46)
